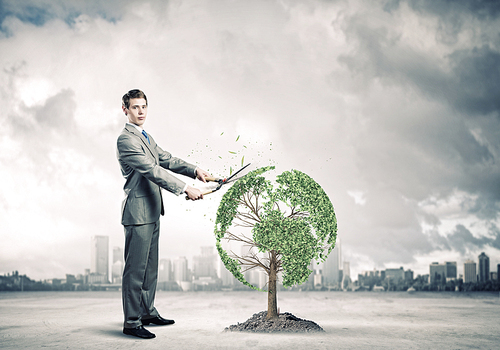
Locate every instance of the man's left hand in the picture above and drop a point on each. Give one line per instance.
(202, 174)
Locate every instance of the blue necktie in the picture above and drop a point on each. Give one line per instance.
(146, 136)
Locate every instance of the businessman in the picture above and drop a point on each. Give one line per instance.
(146, 168)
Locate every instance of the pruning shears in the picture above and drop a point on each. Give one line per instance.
(223, 181)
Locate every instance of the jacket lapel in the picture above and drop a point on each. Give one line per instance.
(136, 132)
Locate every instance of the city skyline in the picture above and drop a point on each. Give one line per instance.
(208, 264)
(330, 269)
(207, 273)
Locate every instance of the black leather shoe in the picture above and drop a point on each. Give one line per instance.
(158, 320)
(140, 332)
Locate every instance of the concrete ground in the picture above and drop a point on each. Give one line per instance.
(367, 320)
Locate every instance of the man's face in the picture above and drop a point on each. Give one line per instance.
(137, 111)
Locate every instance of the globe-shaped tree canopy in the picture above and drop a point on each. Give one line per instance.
(294, 219)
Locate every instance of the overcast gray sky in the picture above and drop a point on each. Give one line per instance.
(391, 106)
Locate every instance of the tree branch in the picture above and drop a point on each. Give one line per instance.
(252, 261)
(243, 238)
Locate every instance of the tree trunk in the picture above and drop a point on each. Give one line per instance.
(272, 304)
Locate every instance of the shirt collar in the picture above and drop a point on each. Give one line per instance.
(136, 126)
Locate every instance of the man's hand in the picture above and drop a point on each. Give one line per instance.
(193, 193)
(202, 174)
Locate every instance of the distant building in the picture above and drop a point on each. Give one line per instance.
(484, 267)
(225, 275)
(470, 275)
(451, 270)
(99, 257)
(181, 270)
(437, 273)
(493, 276)
(395, 274)
(310, 279)
(70, 279)
(204, 264)
(117, 272)
(318, 279)
(96, 278)
(117, 254)
(331, 266)
(165, 271)
(498, 271)
(117, 267)
(255, 275)
(346, 270)
(246, 250)
(258, 277)
(346, 283)
(408, 275)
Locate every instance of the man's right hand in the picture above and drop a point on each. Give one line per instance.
(193, 193)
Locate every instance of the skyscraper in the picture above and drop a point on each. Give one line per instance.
(409, 275)
(204, 264)
(331, 266)
(346, 276)
(484, 267)
(451, 270)
(347, 270)
(224, 274)
(165, 271)
(310, 279)
(117, 267)
(395, 274)
(437, 273)
(117, 254)
(470, 275)
(99, 256)
(180, 269)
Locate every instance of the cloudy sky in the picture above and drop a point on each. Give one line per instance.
(391, 106)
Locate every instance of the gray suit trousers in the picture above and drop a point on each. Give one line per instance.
(140, 273)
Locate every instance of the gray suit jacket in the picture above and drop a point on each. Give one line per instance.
(144, 167)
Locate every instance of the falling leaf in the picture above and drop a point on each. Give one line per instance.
(230, 171)
(237, 138)
(222, 133)
(242, 160)
(232, 152)
(220, 157)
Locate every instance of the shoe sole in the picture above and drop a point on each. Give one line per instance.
(139, 336)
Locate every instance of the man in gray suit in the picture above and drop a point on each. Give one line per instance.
(145, 167)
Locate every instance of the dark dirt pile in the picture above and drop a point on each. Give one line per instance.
(286, 322)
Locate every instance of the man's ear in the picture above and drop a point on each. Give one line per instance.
(124, 110)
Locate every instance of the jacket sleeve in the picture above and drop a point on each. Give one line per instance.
(134, 157)
(176, 165)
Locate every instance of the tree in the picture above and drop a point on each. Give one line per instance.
(290, 225)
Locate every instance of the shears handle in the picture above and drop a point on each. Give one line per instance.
(204, 193)
(213, 179)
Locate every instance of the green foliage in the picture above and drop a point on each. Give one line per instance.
(296, 220)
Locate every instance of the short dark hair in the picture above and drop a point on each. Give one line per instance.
(136, 93)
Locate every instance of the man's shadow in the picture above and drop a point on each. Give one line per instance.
(115, 331)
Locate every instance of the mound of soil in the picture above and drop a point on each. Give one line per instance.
(286, 322)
